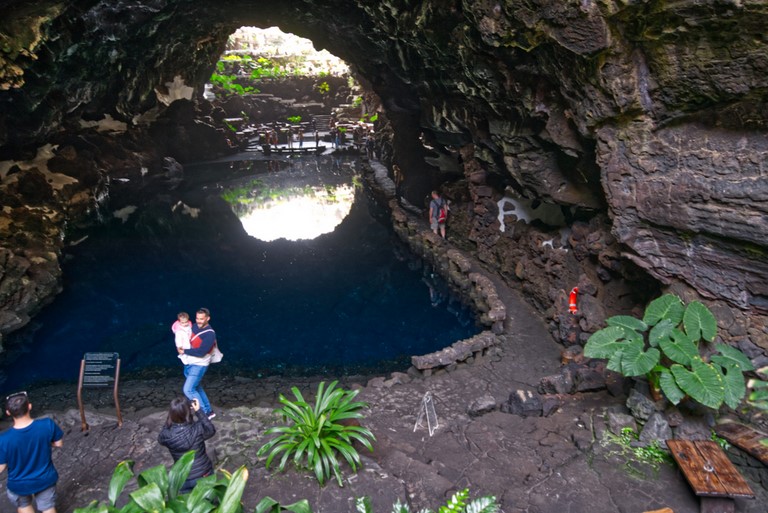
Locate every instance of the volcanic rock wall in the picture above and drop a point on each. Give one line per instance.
(643, 121)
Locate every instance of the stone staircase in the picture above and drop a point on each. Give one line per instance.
(322, 122)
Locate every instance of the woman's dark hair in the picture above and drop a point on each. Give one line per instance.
(180, 412)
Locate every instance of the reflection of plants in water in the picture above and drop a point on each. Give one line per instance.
(257, 192)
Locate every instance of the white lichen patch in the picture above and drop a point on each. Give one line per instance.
(524, 210)
(124, 213)
(44, 154)
(176, 90)
(107, 124)
(186, 210)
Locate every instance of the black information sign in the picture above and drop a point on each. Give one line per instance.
(100, 369)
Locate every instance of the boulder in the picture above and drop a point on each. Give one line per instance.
(524, 403)
(587, 379)
(481, 406)
(640, 406)
(656, 429)
(557, 383)
(619, 421)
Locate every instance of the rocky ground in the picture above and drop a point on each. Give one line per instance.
(559, 463)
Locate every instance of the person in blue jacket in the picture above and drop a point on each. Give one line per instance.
(201, 346)
(25, 449)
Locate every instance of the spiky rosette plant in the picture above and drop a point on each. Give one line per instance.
(664, 345)
(316, 435)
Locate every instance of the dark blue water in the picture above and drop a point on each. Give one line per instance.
(350, 301)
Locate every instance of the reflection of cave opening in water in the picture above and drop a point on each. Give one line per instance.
(291, 213)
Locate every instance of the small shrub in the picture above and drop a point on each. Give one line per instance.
(315, 435)
(294, 119)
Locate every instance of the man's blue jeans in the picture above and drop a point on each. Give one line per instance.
(192, 387)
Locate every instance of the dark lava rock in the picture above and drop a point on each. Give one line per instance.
(481, 406)
(34, 188)
(524, 403)
(695, 428)
(557, 383)
(656, 429)
(640, 406)
(615, 383)
(674, 417)
(550, 404)
(588, 379)
(619, 421)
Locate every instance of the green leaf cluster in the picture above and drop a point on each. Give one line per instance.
(229, 84)
(158, 491)
(294, 119)
(315, 435)
(652, 455)
(664, 345)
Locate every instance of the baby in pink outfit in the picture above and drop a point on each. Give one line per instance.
(182, 331)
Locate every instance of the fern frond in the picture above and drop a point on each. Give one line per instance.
(485, 504)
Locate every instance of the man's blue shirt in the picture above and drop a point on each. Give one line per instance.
(27, 452)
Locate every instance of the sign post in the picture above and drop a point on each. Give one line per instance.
(99, 370)
(427, 409)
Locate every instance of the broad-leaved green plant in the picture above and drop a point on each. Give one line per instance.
(664, 345)
(158, 490)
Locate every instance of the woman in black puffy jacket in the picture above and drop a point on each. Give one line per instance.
(182, 433)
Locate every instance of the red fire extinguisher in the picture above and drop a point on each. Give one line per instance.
(572, 300)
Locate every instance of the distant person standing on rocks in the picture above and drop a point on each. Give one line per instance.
(25, 450)
(199, 358)
(182, 433)
(438, 213)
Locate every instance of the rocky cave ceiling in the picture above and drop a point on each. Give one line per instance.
(654, 110)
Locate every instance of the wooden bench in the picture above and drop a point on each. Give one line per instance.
(711, 474)
(745, 438)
